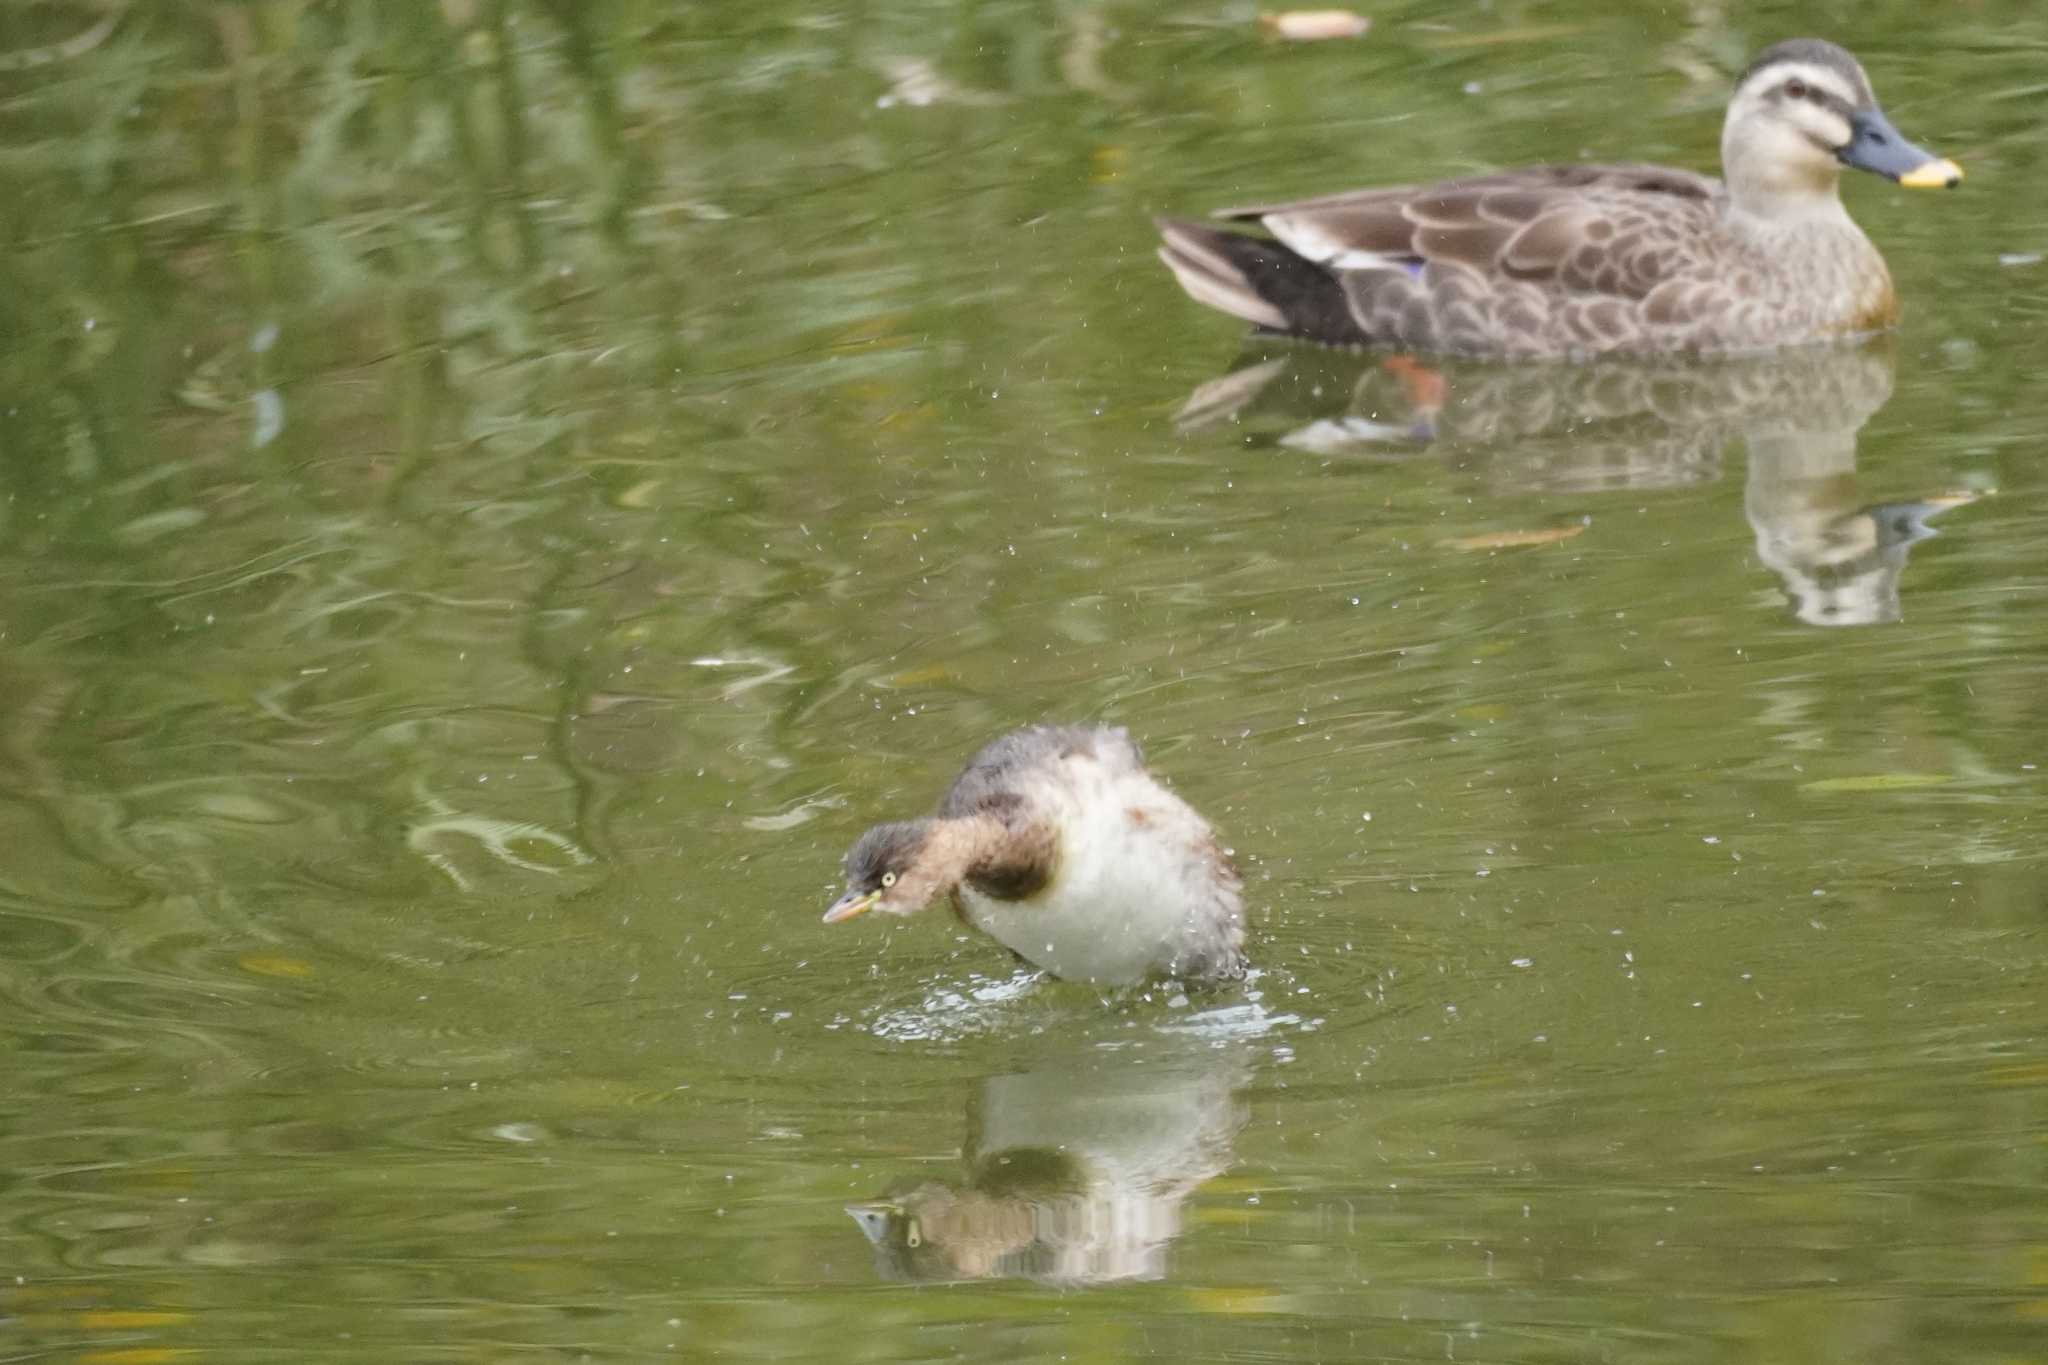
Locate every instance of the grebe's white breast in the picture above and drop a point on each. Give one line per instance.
(1139, 885)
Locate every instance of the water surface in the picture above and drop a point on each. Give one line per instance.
(499, 496)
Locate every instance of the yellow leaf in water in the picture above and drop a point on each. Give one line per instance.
(140, 1355)
(1878, 782)
(1314, 25)
(264, 965)
(1511, 540)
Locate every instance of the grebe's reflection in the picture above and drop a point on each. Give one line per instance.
(1075, 1173)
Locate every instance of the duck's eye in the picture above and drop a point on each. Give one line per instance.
(1796, 88)
(888, 879)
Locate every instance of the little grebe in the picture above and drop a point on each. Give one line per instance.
(1059, 843)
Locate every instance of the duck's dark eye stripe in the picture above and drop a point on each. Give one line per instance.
(1797, 89)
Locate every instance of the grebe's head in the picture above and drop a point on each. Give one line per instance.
(881, 872)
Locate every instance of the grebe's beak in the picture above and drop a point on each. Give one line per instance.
(851, 904)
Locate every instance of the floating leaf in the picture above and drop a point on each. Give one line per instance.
(1314, 25)
(1510, 540)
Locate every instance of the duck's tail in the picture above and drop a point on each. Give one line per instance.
(1258, 280)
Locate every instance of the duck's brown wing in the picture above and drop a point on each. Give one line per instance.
(1546, 260)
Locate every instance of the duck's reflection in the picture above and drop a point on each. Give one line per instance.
(1075, 1173)
(1839, 559)
(1638, 426)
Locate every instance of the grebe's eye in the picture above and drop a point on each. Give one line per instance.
(888, 879)
(1796, 88)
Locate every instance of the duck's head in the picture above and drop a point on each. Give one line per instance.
(1802, 111)
(886, 870)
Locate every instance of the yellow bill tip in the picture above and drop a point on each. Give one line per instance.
(1937, 174)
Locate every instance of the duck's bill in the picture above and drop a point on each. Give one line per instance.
(1937, 174)
(1875, 146)
(851, 904)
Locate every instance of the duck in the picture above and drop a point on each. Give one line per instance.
(1573, 262)
(1060, 843)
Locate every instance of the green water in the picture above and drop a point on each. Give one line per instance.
(495, 497)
